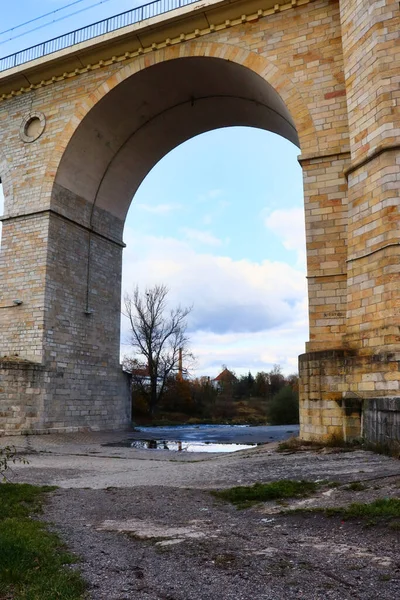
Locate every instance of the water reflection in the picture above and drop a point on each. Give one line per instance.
(180, 446)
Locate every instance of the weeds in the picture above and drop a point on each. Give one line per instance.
(8, 456)
(389, 448)
(383, 508)
(225, 560)
(293, 444)
(355, 486)
(384, 511)
(245, 496)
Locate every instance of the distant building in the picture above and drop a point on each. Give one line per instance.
(225, 378)
(141, 375)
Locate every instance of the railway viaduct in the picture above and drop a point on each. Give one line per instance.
(84, 118)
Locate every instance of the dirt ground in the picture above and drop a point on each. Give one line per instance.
(146, 526)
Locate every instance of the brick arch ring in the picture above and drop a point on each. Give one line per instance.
(260, 65)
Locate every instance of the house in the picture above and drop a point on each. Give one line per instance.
(141, 375)
(224, 379)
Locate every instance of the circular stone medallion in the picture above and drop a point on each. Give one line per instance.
(32, 127)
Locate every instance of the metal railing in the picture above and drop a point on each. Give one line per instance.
(130, 17)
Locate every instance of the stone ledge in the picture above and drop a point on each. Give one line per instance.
(325, 354)
(119, 426)
(21, 364)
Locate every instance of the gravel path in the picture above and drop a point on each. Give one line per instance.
(163, 544)
(146, 526)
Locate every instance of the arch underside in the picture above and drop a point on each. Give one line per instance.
(143, 118)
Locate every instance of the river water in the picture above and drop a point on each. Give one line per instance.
(206, 438)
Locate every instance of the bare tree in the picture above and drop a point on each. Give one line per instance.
(157, 336)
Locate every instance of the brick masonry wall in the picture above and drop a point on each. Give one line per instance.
(21, 380)
(337, 385)
(335, 65)
(325, 202)
(23, 263)
(80, 351)
(34, 399)
(370, 31)
(321, 412)
(372, 56)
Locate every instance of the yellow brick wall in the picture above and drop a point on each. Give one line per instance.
(335, 65)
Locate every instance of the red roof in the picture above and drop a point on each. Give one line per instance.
(141, 372)
(225, 375)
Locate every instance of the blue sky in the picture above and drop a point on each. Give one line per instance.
(80, 14)
(220, 221)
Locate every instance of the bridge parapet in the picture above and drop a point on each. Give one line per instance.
(138, 14)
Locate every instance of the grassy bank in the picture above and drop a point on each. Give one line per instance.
(32, 560)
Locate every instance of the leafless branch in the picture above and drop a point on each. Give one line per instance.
(156, 336)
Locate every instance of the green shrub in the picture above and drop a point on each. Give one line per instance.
(284, 407)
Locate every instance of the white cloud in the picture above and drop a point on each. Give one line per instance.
(158, 209)
(289, 226)
(246, 314)
(204, 237)
(255, 352)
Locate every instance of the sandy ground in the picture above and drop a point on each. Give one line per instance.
(146, 526)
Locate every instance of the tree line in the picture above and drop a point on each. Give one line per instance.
(159, 373)
(266, 397)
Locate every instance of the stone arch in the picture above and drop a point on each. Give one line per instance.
(263, 67)
(240, 87)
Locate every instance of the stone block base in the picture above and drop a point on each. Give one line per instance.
(322, 414)
(35, 399)
(341, 388)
